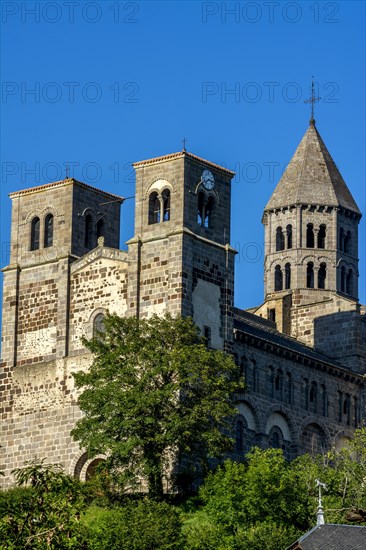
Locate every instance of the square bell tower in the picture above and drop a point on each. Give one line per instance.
(184, 263)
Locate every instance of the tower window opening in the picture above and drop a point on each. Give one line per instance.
(322, 274)
(201, 209)
(280, 239)
(343, 279)
(310, 235)
(347, 242)
(288, 276)
(48, 230)
(341, 239)
(289, 236)
(321, 236)
(35, 228)
(310, 275)
(166, 205)
(278, 278)
(272, 314)
(100, 228)
(313, 396)
(154, 208)
(88, 237)
(208, 212)
(349, 282)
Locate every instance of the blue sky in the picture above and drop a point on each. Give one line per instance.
(98, 85)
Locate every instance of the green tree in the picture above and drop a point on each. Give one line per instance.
(154, 394)
(45, 513)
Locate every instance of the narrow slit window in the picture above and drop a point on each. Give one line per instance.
(48, 231)
(278, 278)
(166, 205)
(154, 208)
(35, 229)
(310, 275)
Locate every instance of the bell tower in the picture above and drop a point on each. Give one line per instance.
(311, 241)
(183, 261)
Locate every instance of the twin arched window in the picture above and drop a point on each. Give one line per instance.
(278, 280)
(93, 231)
(35, 238)
(345, 241)
(310, 236)
(281, 242)
(159, 207)
(346, 280)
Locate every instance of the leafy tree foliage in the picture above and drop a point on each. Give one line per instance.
(43, 515)
(154, 394)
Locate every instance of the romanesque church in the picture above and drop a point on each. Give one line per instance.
(302, 352)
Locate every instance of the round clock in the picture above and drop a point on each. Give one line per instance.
(207, 179)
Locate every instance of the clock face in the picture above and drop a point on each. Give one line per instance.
(207, 179)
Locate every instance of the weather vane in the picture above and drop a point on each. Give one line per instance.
(320, 513)
(312, 100)
(184, 141)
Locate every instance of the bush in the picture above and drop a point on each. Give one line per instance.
(138, 525)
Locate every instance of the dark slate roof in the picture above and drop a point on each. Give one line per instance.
(332, 537)
(312, 177)
(261, 328)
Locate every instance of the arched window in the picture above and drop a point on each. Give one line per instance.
(310, 235)
(166, 205)
(343, 279)
(48, 230)
(310, 275)
(239, 439)
(322, 274)
(89, 236)
(289, 236)
(278, 278)
(341, 239)
(209, 211)
(321, 236)
(280, 240)
(35, 228)
(100, 228)
(347, 242)
(201, 209)
(154, 208)
(98, 325)
(288, 276)
(349, 282)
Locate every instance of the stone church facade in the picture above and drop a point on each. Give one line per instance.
(302, 352)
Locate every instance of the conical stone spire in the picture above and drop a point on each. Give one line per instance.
(312, 178)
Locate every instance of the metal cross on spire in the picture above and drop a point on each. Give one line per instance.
(312, 100)
(320, 514)
(184, 141)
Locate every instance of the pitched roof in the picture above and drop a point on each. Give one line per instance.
(181, 154)
(332, 537)
(265, 330)
(67, 181)
(312, 177)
